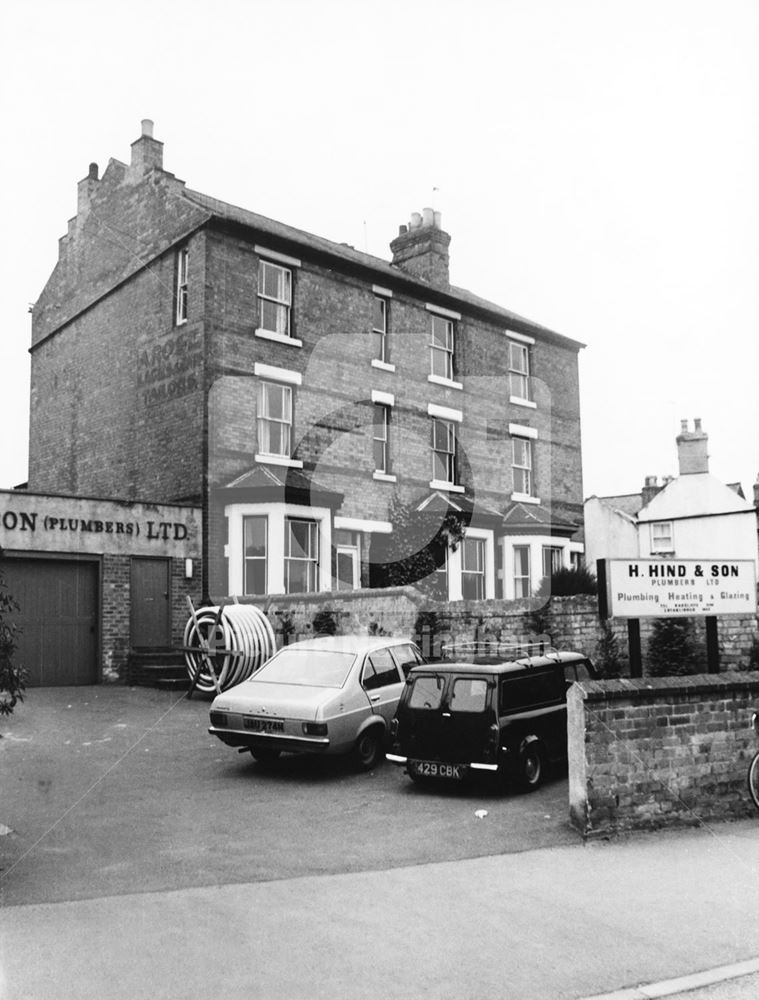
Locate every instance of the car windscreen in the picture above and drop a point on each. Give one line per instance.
(426, 692)
(308, 667)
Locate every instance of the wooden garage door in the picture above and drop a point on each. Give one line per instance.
(59, 603)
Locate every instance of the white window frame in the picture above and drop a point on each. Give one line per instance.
(246, 559)
(382, 355)
(275, 570)
(444, 351)
(477, 573)
(283, 301)
(311, 560)
(520, 577)
(181, 286)
(455, 562)
(661, 541)
(519, 374)
(352, 550)
(381, 438)
(554, 553)
(525, 471)
(449, 453)
(264, 420)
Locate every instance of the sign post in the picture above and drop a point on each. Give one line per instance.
(682, 588)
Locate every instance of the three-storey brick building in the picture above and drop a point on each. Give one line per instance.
(312, 399)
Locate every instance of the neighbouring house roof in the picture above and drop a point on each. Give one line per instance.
(440, 503)
(626, 503)
(348, 254)
(694, 495)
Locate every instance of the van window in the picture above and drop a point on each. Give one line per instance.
(532, 690)
(426, 692)
(576, 672)
(469, 694)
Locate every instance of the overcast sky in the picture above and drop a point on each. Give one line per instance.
(597, 166)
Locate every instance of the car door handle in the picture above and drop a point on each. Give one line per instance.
(376, 697)
(446, 715)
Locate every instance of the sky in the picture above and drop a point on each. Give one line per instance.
(596, 164)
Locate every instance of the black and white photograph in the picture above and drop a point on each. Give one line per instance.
(379, 500)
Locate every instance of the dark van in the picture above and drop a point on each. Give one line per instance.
(508, 718)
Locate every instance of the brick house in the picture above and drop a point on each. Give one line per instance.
(308, 397)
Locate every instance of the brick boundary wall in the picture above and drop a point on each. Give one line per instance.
(569, 622)
(660, 752)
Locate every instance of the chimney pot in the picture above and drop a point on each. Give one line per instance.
(697, 425)
(93, 172)
(147, 127)
(684, 426)
(402, 230)
(428, 216)
(415, 221)
(438, 220)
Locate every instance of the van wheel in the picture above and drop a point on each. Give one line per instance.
(531, 767)
(368, 749)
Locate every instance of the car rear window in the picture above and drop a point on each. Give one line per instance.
(307, 667)
(426, 692)
(469, 694)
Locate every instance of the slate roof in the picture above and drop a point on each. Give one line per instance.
(266, 482)
(382, 268)
(521, 518)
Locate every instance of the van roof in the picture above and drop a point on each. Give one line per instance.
(491, 665)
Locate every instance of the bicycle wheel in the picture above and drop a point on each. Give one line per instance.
(753, 780)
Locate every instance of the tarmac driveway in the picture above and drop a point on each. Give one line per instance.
(111, 790)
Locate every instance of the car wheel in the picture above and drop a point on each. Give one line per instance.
(531, 767)
(265, 755)
(368, 749)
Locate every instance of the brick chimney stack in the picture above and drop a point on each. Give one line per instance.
(147, 152)
(421, 248)
(692, 452)
(650, 489)
(86, 189)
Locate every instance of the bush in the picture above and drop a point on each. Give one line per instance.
(12, 677)
(325, 622)
(566, 582)
(607, 658)
(670, 648)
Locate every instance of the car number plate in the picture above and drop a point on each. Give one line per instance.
(259, 725)
(434, 769)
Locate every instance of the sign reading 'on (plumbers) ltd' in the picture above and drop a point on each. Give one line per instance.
(658, 588)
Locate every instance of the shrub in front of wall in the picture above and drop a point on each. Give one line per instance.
(325, 622)
(670, 648)
(566, 582)
(607, 659)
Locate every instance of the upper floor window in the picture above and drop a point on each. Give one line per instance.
(180, 289)
(521, 465)
(473, 569)
(443, 450)
(274, 298)
(381, 438)
(301, 555)
(275, 419)
(254, 554)
(441, 347)
(662, 538)
(379, 329)
(519, 371)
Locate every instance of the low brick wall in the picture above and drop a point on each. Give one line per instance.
(658, 752)
(569, 622)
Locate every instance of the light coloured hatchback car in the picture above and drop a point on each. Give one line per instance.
(329, 694)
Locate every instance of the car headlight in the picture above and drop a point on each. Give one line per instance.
(218, 719)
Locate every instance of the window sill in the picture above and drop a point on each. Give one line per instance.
(438, 484)
(291, 463)
(524, 498)
(518, 401)
(384, 366)
(384, 477)
(447, 382)
(280, 338)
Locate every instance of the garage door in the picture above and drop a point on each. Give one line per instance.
(58, 601)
